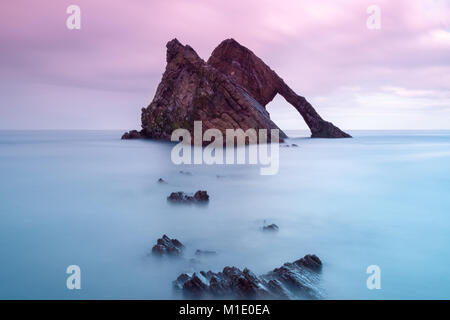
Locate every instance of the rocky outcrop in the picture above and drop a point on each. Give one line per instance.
(167, 246)
(298, 279)
(200, 196)
(230, 91)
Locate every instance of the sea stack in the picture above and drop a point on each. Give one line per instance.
(229, 91)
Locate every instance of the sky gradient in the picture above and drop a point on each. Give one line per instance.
(100, 77)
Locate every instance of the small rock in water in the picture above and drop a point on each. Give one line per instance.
(181, 197)
(187, 173)
(294, 145)
(199, 252)
(177, 197)
(133, 134)
(167, 246)
(271, 227)
(161, 180)
(201, 195)
(298, 279)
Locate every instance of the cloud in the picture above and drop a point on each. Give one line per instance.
(318, 47)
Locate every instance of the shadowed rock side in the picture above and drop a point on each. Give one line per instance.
(262, 83)
(298, 279)
(229, 92)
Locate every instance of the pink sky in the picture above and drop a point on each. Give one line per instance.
(100, 77)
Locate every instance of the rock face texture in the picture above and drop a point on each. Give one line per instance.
(230, 91)
(292, 280)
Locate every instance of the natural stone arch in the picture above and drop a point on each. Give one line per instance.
(230, 91)
(251, 73)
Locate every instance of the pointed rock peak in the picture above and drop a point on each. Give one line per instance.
(230, 41)
(173, 42)
(228, 45)
(174, 47)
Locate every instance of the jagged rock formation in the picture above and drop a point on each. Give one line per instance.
(298, 279)
(201, 196)
(167, 246)
(230, 91)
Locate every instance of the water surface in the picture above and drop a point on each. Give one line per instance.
(90, 199)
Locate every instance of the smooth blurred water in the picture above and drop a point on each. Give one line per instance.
(90, 199)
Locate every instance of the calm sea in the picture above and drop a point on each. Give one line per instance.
(87, 198)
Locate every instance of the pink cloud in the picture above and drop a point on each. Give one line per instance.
(319, 47)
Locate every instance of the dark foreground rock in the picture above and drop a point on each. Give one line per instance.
(298, 279)
(167, 246)
(181, 197)
(229, 91)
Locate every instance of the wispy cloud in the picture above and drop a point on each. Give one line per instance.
(321, 48)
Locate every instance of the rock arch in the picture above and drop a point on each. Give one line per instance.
(251, 73)
(229, 91)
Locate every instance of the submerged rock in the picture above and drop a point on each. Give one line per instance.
(167, 246)
(199, 252)
(162, 181)
(271, 227)
(230, 91)
(292, 280)
(181, 197)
